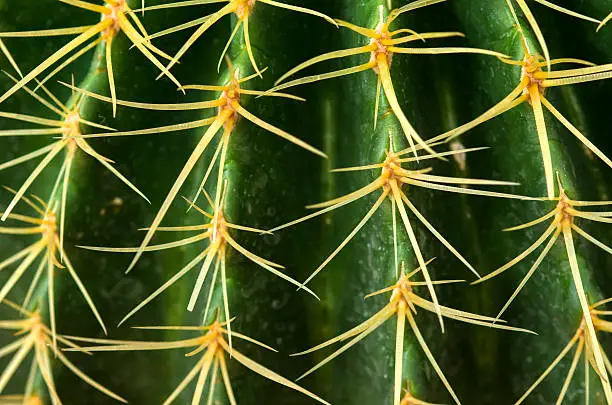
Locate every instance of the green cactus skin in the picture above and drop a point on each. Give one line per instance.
(269, 181)
(555, 312)
(354, 96)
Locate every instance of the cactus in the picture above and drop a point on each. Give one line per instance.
(338, 202)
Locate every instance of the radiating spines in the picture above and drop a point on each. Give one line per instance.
(390, 183)
(403, 305)
(47, 250)
(66, 136)
(533, 83)
(229, 110)
(562, 224)
(116, 16)
(587, 347)
(216, 231)
(418, 177)
(242, 9)
(210, 349)
(535, 26)
(34, 338)
(384, 43)
(561, 221)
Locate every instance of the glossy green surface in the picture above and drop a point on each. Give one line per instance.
(271, 180)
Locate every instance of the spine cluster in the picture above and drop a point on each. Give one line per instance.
(409, 164)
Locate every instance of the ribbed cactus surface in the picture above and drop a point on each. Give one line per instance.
(287, 202)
